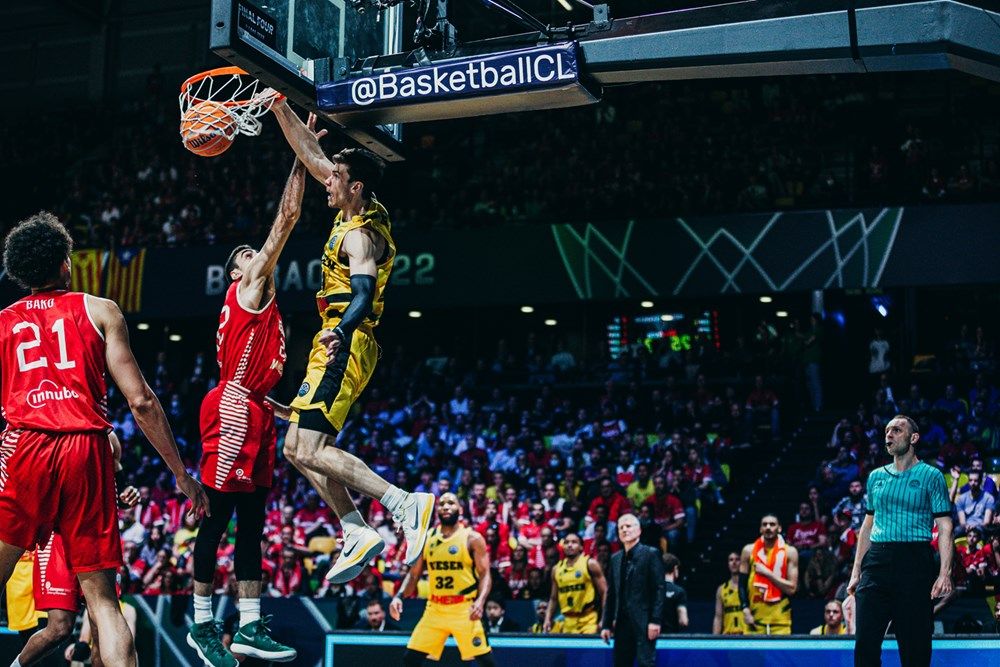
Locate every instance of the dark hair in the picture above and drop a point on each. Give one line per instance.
(231, 262)
(910, 422)
(35, 250)
(373, 603)
(362, 165)
(670, 562)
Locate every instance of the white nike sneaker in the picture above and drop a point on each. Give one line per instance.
(360, 546)
(416, 518)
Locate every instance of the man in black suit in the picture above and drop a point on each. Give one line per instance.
(634, 604)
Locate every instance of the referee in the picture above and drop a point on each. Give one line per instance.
(893, 576)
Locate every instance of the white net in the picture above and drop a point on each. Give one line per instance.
(225, 101)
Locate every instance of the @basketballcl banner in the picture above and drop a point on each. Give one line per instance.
(539, 68)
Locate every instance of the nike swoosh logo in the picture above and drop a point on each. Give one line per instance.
(416, 519)
(347, 554)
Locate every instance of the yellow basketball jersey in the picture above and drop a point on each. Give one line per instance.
(575, 587)
(732, 612)
(769, 613)
(450, 570)
(333, 298)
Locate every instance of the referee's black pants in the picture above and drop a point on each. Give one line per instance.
(632, 642)
(896, 582)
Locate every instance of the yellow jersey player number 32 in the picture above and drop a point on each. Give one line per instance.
(458, 568)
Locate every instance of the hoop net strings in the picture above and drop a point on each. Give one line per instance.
(244, 99)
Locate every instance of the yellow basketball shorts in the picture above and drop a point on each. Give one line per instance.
(580, 625)
(333, 389)
(441, 621)
(21, 612)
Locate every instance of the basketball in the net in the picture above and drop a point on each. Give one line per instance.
(207, 128)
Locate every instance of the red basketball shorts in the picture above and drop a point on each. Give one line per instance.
(55, 586)
(63, 482)
(238, 439)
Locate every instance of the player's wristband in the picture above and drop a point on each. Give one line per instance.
(744, 593)
(340, 332)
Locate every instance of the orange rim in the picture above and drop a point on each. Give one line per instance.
(219, 71)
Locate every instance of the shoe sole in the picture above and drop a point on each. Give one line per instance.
(354, 567)
(412, 554)
(193, 644)
(273, 656)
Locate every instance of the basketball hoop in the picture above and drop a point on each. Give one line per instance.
(239, 100)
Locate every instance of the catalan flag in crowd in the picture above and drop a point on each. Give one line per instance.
(88, 271)
(124, 278)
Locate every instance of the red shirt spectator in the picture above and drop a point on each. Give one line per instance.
(807, 532)
(614, 502)
(315, 518)
(977, 558)
(667, 508)
(288, 577)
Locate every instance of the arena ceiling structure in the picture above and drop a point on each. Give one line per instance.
(619, 44)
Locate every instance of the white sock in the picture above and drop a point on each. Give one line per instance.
(202, 608)
(352, 521)
(394, 498)
(249, 610)
(17, 662)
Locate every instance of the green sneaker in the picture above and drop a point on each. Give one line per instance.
(252, 640)
(205, 638)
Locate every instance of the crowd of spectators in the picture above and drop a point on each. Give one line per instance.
(959, 435)
(652, 151)
(529, 463)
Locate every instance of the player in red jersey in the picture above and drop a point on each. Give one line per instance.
(239, 439)
(56, 468)
(56, 591)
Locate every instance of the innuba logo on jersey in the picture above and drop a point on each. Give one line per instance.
(47, 391)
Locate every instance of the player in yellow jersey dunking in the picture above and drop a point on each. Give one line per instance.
(578, 588)
(769, 576)
(357, 260)
(458, 570)
(728, 612)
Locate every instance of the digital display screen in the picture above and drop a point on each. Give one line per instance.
(679, 331)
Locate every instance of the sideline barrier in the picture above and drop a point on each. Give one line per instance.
(551, 651)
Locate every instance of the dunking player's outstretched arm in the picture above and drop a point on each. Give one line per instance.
(257, 283)
(142, 401)
(304, 140)
(361, 246)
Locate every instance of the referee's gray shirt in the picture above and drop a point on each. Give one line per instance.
(905, 504)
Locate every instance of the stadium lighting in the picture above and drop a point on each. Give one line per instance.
(415, 314)
(882, 310)
(565, 5)
(142, 326)
(782, 313)
(527, 309)
(646, 304)
(550, 323)
(176, 338)
(766, 299)
(666, 318)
